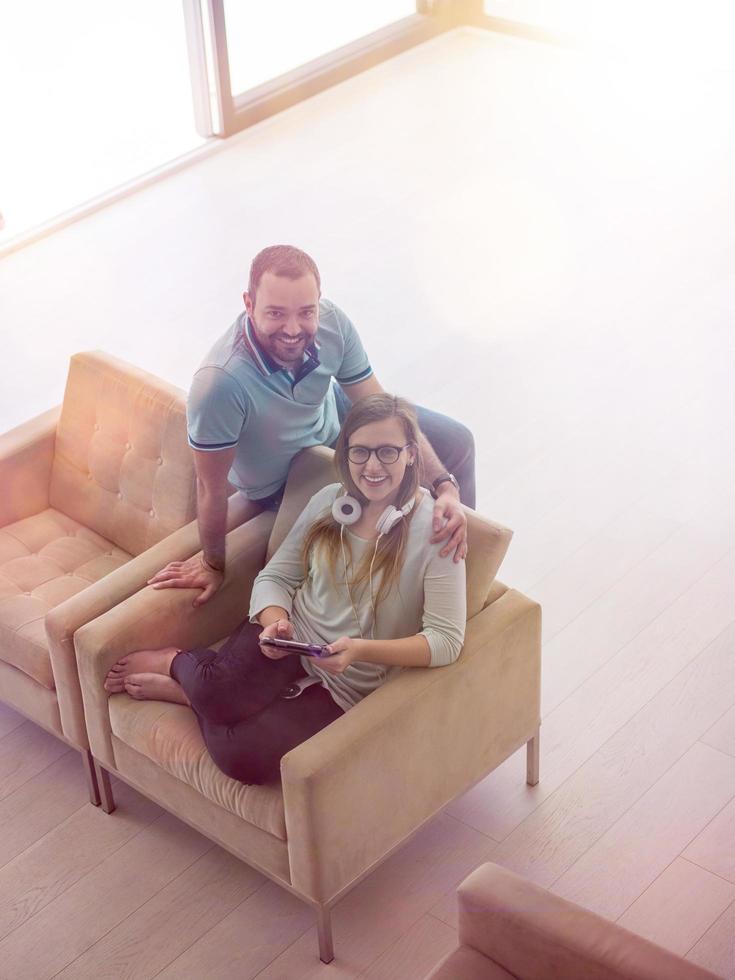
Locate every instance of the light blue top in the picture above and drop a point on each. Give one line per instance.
(242, 397)
(430, 598)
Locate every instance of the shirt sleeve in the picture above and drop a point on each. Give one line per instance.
(355, 365)
(215, 410)
(445, 608)
(277, 583)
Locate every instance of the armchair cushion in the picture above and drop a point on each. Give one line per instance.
(44, 560)
(169, 735)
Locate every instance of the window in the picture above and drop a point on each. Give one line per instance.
(93, 96)
(265, 40)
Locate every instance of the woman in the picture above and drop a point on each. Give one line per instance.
(356, 574)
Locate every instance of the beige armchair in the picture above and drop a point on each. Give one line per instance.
(361, 787)
(509, 927)
(90, 493)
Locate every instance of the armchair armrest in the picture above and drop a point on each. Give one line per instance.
(64, 620)
(160, 617)
(359, 787)
(535, 934)
(26, 457)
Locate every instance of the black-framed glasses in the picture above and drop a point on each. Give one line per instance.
(385, 454)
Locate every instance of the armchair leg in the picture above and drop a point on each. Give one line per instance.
(532, 758)
(324, 931)
(91, 774)
(103, 781)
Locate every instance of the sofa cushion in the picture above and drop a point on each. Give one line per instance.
(169, 735)
(44, 560)
(122, 465)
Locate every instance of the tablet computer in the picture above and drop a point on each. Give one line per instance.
(293, 646)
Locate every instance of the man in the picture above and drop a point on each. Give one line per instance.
(266, 391)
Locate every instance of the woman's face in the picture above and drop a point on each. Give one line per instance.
(378, 481)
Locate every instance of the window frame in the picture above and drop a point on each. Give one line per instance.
(219, 112)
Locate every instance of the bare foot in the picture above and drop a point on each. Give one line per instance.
(154, 687)
(114, 683)
(139, 662)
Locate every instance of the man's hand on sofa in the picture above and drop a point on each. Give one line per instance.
(194, 573)
(450, 522)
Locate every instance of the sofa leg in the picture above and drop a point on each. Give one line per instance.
(91, 774)
(532, 758)
(324, 931)
(103, 781)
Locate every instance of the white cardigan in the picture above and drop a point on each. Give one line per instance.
(429, 598)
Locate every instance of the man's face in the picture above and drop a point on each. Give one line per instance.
(285, 316)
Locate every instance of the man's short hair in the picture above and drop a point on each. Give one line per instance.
(282, 260)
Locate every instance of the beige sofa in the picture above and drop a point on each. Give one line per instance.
(509, 927)
(84, 489)
(358, 789)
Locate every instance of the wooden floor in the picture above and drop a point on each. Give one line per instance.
(540, 243)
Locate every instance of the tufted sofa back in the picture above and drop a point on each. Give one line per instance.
(122, 465)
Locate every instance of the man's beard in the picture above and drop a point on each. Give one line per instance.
(289, 353)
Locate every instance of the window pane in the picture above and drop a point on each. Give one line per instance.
(93, 95)
(267, 39)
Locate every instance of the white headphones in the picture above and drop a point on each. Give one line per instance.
(346, 510)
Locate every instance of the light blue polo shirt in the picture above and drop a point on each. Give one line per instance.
(242, 397)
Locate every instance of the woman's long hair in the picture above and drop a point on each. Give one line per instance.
(323, 541)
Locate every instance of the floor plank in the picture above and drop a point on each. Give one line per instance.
(168, 924)
(388, 903)
(24, 752)
(246, 940)
(621, 864)
(627, 764)
(606, 701)
(714, 848)
(716, 949)
(629, 607)
(65, 928)
(40, 804)
(416, 952)
(722, 734)
(599, 564)
(679, 906)
(50, 867)
(9, 720)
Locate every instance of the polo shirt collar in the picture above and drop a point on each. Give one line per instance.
(268, 365)
(264, 361)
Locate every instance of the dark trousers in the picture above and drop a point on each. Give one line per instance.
(235, 692)
(452, 442)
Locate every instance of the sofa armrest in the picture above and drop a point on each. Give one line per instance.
(164, 617)
(362, 785)
(26, 457)
(64, 620)
(535, 934)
